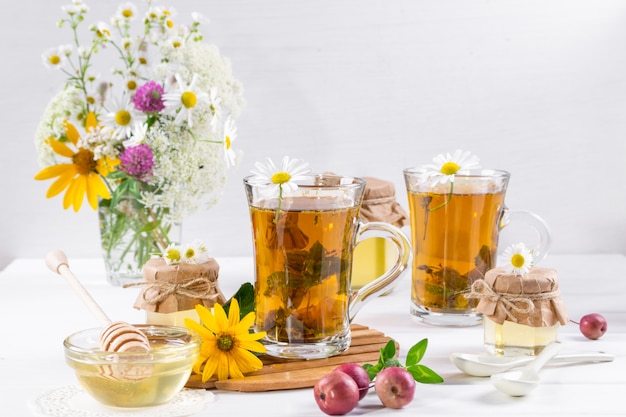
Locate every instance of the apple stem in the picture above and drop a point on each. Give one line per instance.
(575, 322)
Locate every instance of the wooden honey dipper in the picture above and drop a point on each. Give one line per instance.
(117, 336)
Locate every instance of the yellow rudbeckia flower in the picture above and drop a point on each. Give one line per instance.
(81, 177)
(227, 343)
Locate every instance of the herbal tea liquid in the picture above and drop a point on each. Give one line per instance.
(454, 243)
(303, 268)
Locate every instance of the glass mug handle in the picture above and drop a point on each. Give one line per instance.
(387, 231)
(540, 251)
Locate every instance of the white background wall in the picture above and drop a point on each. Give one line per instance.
(367, 88)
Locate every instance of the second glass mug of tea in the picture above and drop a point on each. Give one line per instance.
(454, 237)
(303, 250)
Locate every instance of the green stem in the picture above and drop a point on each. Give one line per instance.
(280, 202)
(447, 200)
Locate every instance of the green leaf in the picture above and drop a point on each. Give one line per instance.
(387, 359)
(389, 351)
(416, 353)
(373, 370)
(424, 374)
(245, 298)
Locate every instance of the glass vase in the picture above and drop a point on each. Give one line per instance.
(130, 234)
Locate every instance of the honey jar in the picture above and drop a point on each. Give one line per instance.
(172, 291)
(521, 313)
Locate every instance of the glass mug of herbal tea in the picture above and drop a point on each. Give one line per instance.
(455, 225)
(304, 239)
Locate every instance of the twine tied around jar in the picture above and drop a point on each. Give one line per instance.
(200, 288)
(480, 289)
(178, 287)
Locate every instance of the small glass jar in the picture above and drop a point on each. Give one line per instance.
(171, 292)
(521, 313)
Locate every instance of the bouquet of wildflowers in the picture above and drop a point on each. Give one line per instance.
(153, 142)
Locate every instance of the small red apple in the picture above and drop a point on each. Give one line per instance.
(359, 374)
(336, 393)
(395, 387)
(593, 326)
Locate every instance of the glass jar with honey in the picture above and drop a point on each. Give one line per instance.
(521, 313)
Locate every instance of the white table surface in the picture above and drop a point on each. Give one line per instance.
(38, 309)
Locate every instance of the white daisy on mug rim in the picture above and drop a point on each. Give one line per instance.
(445, 166)
(279, 180)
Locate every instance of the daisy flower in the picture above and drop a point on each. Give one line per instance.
(122, 118)
(444, 167)
(273, 180)
(230, 134)
(172, 254)
(185, 100)
(518, 259)
(54, 58)
(82, 176)
(195, 253)
(227, 344)
(279, 180)
(126, 11)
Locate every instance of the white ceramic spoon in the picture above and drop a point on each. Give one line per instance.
(487, 365)
(520, 382)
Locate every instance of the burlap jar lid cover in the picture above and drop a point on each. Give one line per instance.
(178, 287)
(379, 203)
(532, 299)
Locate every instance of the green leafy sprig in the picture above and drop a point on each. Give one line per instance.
(388, 359)
(245, 298)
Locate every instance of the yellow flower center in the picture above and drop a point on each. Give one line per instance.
(169, 23)
(176, 44)
(122, 117)
(131, 85)
(84, 162)
(281, 177)
(189, 99)
(227, 142)
(103, 33)
(54, 59)
(143, 61)
(190, 253)
(127, 13)
(517, 260)
(225, 342)
(173, 255)
(450, 168)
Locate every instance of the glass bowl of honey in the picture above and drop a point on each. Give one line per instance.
(134, 379)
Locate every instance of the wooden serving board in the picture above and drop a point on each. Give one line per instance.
(283, 374)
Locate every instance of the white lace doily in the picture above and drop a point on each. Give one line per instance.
(72, 401)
